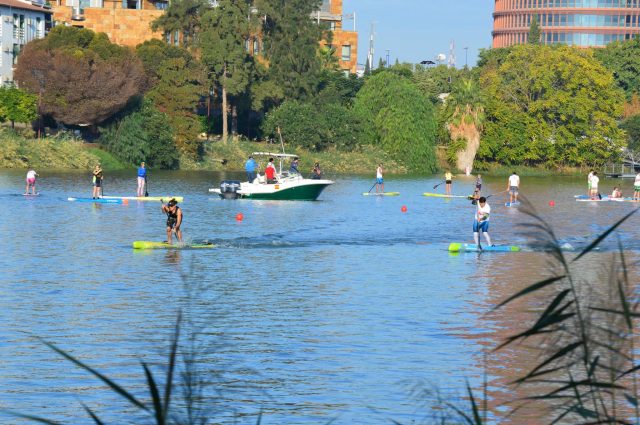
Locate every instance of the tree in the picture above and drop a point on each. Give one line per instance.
(180, 87)
(381, 64)
(221, 42)
(399, 118)
(328, 58)
(432, 82)
(632, 126)
(465, 116)
(182, 17)
(291, 42)
(622, 58)
(550, 105)
(534, 31)
(17, 105)
(143, 135)
(154, 53)
(367, 68)
(79, 85)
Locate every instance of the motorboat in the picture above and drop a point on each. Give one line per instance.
(288, 186)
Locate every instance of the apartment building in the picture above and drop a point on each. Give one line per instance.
(20, 22)
(583, 23)
(127, 22)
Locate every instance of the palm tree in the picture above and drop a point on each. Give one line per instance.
(465, 112)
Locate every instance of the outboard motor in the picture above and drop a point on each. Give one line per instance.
(229, 189)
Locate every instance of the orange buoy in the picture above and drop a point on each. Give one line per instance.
(552, 203)
(125, 201)
(239, 217)
(404, 208)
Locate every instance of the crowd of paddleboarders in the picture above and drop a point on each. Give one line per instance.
(270, 176)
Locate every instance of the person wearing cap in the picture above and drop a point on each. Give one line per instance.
(98, 177)
(481, 222)
(142, 179)
(174, 220)
(250, 167)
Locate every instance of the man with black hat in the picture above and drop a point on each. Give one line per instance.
(174, 220)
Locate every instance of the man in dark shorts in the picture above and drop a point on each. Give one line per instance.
(174, 220)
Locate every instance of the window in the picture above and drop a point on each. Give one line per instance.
(39, 28)
(346, 53)
(176, 38)
(161, 5)
(256, 46)
(326, 6)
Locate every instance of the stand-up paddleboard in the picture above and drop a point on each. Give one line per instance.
(471, 247)
(146, 198)
(604, 199)
(165, 245)
(96, 201)
(442, 195)
(511, 204)
(381, 194)
(31, 194)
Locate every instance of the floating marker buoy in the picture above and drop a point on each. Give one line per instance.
(125, 201)
(239, 217)
(552, 203)
(404, 208)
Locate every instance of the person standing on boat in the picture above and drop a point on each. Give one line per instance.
(250, 167)
(98, 177)
(512, 187)
(316, 173)
(636, 188)
(142, 180)
(595, 180)
(293, 169)
(379, 179)
(31, 182)
(447, 180)
(270, 172)
(174, 220)
(481, 221)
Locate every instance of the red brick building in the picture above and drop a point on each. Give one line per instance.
(584, 23)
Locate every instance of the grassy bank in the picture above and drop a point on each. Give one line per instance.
(361, 161)
(51, 153)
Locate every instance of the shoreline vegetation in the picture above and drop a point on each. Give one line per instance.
(58, 153)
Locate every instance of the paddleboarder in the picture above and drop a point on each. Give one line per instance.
(481, 222)
(512, 187)
(478, 184)
(589, 176)
(595, 180)
(616, 193)
(174, 220)
(142, 180)
(636, 188)
(98, 177)
(250, 167)
(447, 180)
(379, 179)
(31, 182)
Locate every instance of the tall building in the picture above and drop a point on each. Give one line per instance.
(20, 22)
(584, 23)
(127, 22)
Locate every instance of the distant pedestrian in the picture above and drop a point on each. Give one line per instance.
(316, 172)
(31, 182)
(98, 178)
(379, 179)
(447, 180)
(250, 167)
(513, 187)
(142, 179)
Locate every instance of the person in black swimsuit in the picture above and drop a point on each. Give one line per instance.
(174, 220)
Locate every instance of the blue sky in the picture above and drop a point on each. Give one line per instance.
(415, 30)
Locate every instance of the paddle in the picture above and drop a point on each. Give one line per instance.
(146, 186)
(439, 184)
(374, 185)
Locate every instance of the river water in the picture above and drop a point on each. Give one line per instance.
(306, 311)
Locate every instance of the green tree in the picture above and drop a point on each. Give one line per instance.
(434, 81)
(180, 87)
(632, 126)
(182, 17)
(622, 58)
(464, 109)
(367, 68)
(291, 43)
(154, 53)
(550, 105)
(17, 105)
(142, 135)
(221, 42)
(399, 118)
(534, 31)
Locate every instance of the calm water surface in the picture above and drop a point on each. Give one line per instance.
(307, 310)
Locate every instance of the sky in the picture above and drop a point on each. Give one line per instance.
(417, 30)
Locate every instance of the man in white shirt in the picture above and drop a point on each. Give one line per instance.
(481, 222)
(514, 184)
(636, 188)
(594, 185)
(379, 179)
